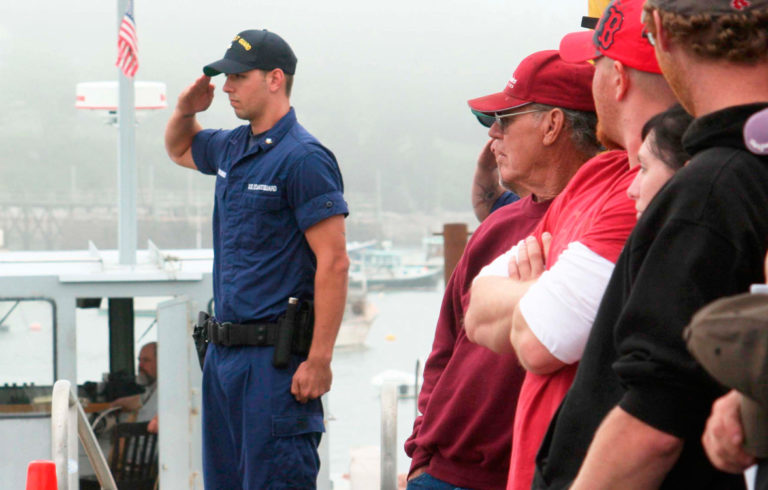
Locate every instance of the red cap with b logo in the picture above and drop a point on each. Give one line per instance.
(619, 35)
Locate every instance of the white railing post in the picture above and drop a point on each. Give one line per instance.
(324, 476)
(68, 421)
(389, 436)
(62, 419)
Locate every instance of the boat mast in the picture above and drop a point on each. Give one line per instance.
(126, 158)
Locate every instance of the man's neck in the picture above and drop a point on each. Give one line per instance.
(716, 86)
(731, 86)
(566, 161)
(271, 115)
(650, 95)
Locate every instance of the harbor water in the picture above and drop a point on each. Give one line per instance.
(401, 334)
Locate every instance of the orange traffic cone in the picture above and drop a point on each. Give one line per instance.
(41, 475)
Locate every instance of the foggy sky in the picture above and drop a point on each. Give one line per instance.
(382, 84)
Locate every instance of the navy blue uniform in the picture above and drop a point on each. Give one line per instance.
(507, 198)
(269, 191)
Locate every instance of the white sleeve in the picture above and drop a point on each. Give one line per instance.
(500, 265)
(561, 306)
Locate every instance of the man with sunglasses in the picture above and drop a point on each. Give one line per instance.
(540, 298)
(464, 436)
(634, 415)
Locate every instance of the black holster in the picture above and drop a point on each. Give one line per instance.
(200, 336)
(294, 335)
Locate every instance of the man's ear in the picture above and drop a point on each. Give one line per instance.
(552, 125)
(275, 79)
(622, 80)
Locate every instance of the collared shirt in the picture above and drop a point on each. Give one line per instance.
(267, 195)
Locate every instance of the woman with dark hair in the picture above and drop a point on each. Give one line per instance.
(660, 156)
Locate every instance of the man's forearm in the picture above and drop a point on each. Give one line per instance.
(489, 317)
(486, 189)
(330, 298)
(179, 134)
(627, 453)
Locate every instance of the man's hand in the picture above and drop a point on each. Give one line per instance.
(531, 258)
(723, 435)
(129, 403)
(183, 126)
(486, 187)
(311, 380)
(197, 97)
(153, 425)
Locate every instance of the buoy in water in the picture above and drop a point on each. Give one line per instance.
(35, 326)
(390, 338)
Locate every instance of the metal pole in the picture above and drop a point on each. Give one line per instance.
(324, 476)
(389, 436)
(126, 172)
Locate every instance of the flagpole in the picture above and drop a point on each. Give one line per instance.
(126, 173)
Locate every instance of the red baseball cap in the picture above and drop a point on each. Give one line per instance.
(619, 35)
(543, 78)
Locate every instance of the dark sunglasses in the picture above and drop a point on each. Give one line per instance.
(487, 119)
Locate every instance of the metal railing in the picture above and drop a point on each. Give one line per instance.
(389, 436)
(68, 421)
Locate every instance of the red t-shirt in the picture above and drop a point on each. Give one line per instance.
(469, 394)
(595, 211)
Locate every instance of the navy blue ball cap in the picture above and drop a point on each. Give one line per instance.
(255, 50)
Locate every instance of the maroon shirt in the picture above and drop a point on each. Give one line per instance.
(469, 395)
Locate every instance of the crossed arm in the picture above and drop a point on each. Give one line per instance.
(494, 319)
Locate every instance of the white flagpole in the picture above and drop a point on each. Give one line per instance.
(126, 172)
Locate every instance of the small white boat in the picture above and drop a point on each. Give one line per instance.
(359, 315)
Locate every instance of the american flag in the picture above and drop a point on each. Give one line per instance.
(127, 46)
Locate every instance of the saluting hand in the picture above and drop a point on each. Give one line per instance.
(197, 97)
(311, 380)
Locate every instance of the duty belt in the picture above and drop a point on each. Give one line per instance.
(231, 334)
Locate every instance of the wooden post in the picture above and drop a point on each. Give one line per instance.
(454, 241)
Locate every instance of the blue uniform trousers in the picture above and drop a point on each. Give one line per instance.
(256, 436)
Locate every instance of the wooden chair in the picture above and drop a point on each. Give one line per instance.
(133, 459)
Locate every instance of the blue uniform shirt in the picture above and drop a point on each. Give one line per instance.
(266, 198)
(507, 198)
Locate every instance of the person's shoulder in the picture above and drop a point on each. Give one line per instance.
(223, 136)
(610, 160)
(304, 147)
(522, 209)
(721, 171)
(602, 171)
